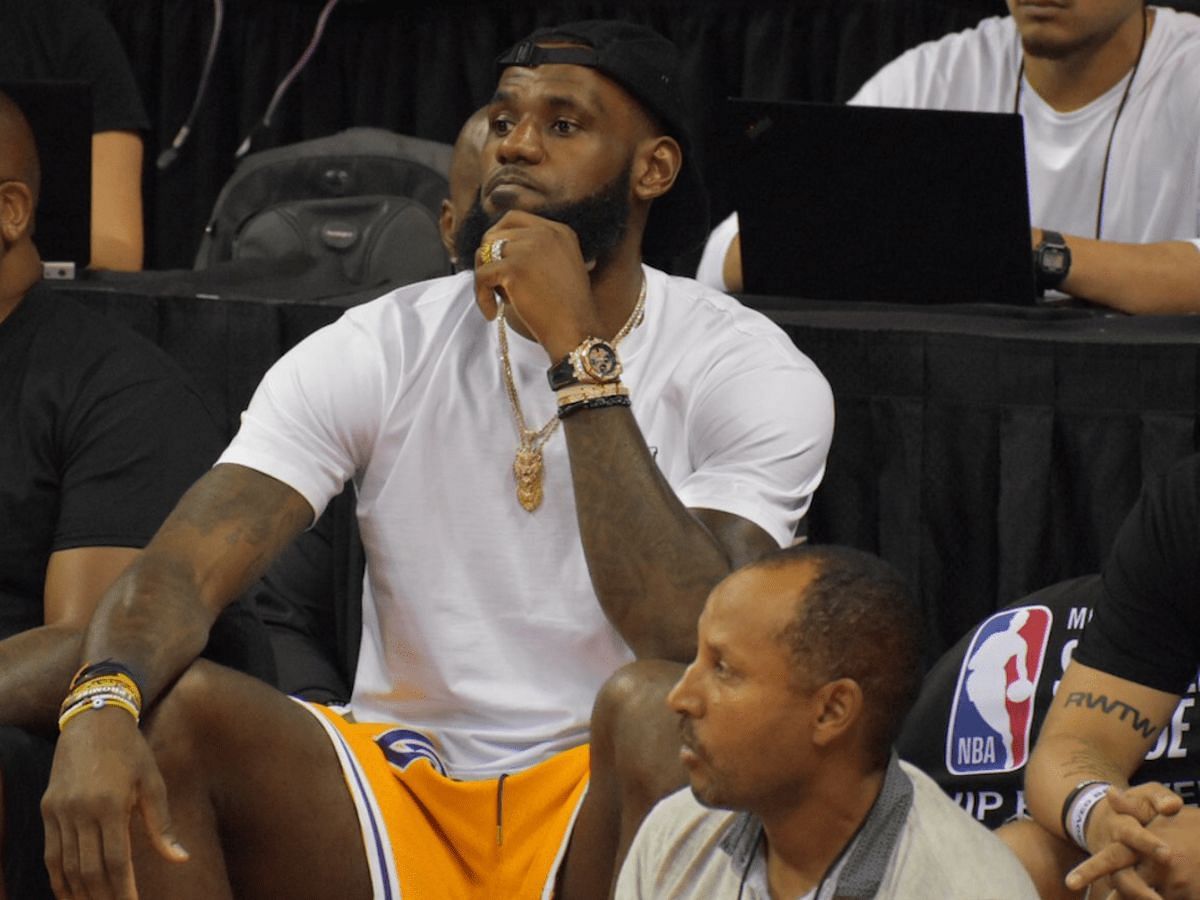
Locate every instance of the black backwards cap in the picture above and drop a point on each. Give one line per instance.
(646, 65)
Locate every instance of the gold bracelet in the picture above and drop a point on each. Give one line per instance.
(97, 702)
(103, 685)
(115, 679)
(579, 392)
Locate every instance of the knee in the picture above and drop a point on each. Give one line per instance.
(633, 700)
(635, 735)
(185, 715)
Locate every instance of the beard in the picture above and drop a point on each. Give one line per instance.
(1064, 46)
(599, 221)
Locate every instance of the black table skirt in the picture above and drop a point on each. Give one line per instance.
(984, 451)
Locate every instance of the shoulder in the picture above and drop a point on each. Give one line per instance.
(679, 829)
(948, 853)
(681, 811)
(1164, 524)
(1180, 29)
(406, 319)
(423, 301)
(703, 320)
(84, 343)
(962, 62)
(993, 38)
(1174, 47)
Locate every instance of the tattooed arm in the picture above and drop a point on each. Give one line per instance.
(221, 536)
(155, 620)
(642, 543)
(1099, 728)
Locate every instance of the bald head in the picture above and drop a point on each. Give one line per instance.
(465, 166)
(20, 266)
(465, 172)
(18, 150)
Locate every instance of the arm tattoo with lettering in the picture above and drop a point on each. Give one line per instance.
(1113, 707)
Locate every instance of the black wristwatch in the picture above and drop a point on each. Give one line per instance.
(595, 361)
(1051, 261)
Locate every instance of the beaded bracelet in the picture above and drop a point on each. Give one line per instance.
(108, 687)
(97, 685)
(98, 701)
(594, 403)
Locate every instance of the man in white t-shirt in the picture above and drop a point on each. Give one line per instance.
(522, 542)
(808, 661)
(1110, 94)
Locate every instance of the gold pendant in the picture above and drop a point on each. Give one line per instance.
(528, 469)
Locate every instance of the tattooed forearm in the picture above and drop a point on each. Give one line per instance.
(223, 534)
(651, 561)
(1113, 707)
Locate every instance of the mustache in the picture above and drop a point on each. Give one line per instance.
(687, 737)
(510, 175)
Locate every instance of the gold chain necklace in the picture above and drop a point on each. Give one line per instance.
(528, 466)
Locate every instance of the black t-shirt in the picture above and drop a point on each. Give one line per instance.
(69, 40)
(1148, 629)
(980, 708)
(99, 437)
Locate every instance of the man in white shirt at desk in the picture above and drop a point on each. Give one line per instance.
(1110, 94)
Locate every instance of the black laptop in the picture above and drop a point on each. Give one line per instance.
(60, 114)
(879, 204)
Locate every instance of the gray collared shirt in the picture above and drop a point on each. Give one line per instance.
(862, 864)
(915, 842)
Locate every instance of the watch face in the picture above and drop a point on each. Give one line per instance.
(598, 362)
(601, 360)
(1054, 260)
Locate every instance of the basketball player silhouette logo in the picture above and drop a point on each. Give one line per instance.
(992, 711)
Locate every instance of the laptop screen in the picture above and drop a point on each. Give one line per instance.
(60, 114)
(878, 204)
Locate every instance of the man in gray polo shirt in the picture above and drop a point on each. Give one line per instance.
(808, 661)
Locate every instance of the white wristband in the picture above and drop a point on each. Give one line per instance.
(1081, 809)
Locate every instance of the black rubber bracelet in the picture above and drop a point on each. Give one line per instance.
(106, 667)
(593, 403)
(1075, 792)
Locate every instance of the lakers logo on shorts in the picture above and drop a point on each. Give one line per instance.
(403, 747)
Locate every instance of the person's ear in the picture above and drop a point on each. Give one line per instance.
(16, 210)
(657, 164)
(838, 706)
(446, 225)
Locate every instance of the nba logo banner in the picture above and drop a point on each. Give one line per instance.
(993, 703)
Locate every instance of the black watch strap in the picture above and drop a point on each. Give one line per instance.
(562, 374)
(1051, 260)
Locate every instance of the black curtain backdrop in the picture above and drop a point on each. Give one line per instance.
(422, 69)
(984, 452)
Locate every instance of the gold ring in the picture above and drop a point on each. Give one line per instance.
(485, 254)
(496, 249)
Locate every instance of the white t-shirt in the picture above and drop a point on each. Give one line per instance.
(1152, 190)
(480, 624)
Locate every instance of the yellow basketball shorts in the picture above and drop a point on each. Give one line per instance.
(431, 837)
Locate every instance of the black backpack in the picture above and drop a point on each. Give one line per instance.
(343, 217)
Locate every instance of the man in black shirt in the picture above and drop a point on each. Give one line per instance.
(1137, 658)
(98, 438)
